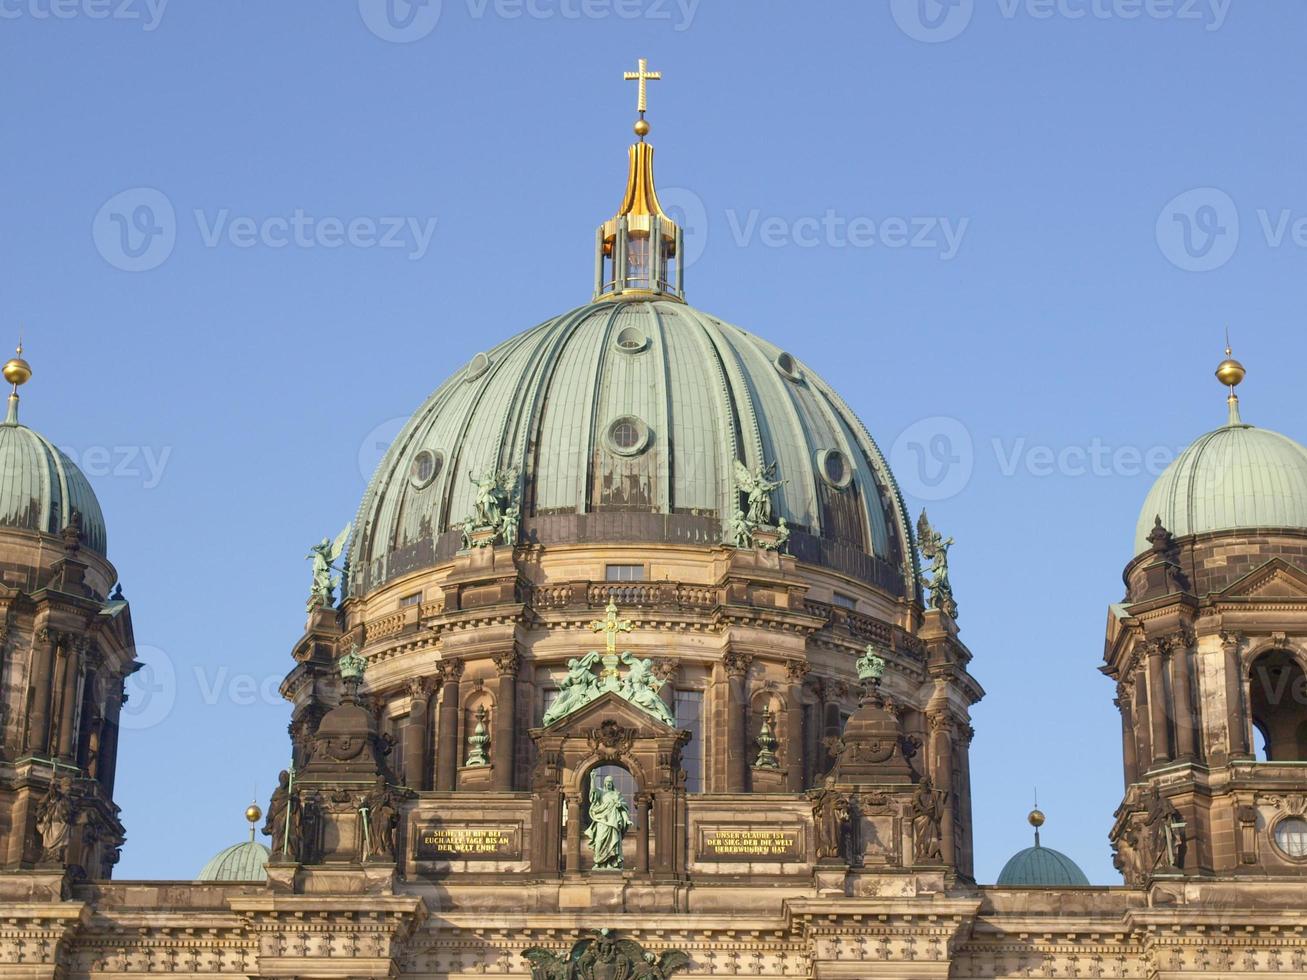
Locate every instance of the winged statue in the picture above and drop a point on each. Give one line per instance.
(326, 574)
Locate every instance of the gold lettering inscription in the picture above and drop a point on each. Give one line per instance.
(723, 843)
(467, 842)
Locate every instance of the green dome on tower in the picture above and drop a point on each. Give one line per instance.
(1237, 477)
(40, 487)
(245, 861)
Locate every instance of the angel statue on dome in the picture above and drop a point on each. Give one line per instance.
(326, 576)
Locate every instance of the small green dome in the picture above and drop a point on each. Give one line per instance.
(1236, 477)
(1041, 867)
(240, 862)
(40, 487)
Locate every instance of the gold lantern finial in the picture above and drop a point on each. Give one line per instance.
(1230, 373)
(17, 372)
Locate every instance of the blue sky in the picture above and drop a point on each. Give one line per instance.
(1012, 232)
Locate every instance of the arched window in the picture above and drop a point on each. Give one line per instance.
(1277, 693)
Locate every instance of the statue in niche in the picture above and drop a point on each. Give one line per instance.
(54, 820)
(610, 819)
(1166, 829)
(927, 815)
(382, 821)
(830, 819)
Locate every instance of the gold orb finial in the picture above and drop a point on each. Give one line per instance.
(1230, 372)
(1036, 818)
(641, 128)
(253, 813)
(16, 370)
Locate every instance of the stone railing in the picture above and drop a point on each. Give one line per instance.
(381, 628)
(627, 595)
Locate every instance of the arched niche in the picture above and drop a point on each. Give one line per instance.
(609, 731)
(1277, 701)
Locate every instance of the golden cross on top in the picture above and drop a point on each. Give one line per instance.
(642, 76)
(610, 626)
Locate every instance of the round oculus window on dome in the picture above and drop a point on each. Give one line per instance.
(788, 366)
(476, 367)
(426, 466)
(627, 436)
(835, 468)
(631, 340)
(1290, 836)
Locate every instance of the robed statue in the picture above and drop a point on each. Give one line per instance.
(54, 821)
(927, 817)
(610, 819)
(757, 486)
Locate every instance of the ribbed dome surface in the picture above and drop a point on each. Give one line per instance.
(1238, 476)
(240, 862)
(624, 420)
(1041, 867)
(40, 487)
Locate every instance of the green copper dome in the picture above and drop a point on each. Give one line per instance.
(623, 421)
(1237, 477)
(240, 862)
(40, 487)
(1041, 867)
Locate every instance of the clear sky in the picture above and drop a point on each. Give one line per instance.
(216, 228)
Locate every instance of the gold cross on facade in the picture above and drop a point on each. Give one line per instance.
(642, 76)
(610, 626)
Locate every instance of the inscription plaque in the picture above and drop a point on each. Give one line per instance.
(743, 843)
(469, 842)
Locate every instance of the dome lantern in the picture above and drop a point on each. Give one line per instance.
(1039, 866)
(637, 251)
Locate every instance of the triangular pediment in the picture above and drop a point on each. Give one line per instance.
(609, 706)
(1277, 579)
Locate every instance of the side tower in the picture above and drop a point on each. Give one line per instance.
(67, 648)
(1209, 654)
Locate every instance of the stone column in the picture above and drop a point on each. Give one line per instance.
(68, 702)
(573, 833)
(447, 750)
(503, 744)
(415, 734)
(795, 672)
(1157, 702)
(941, 739)
(1186, 723)
(1235, 718)
(42, 683)
(1128, 747)
(737, 693)
(1139, 719)
(643, 805)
